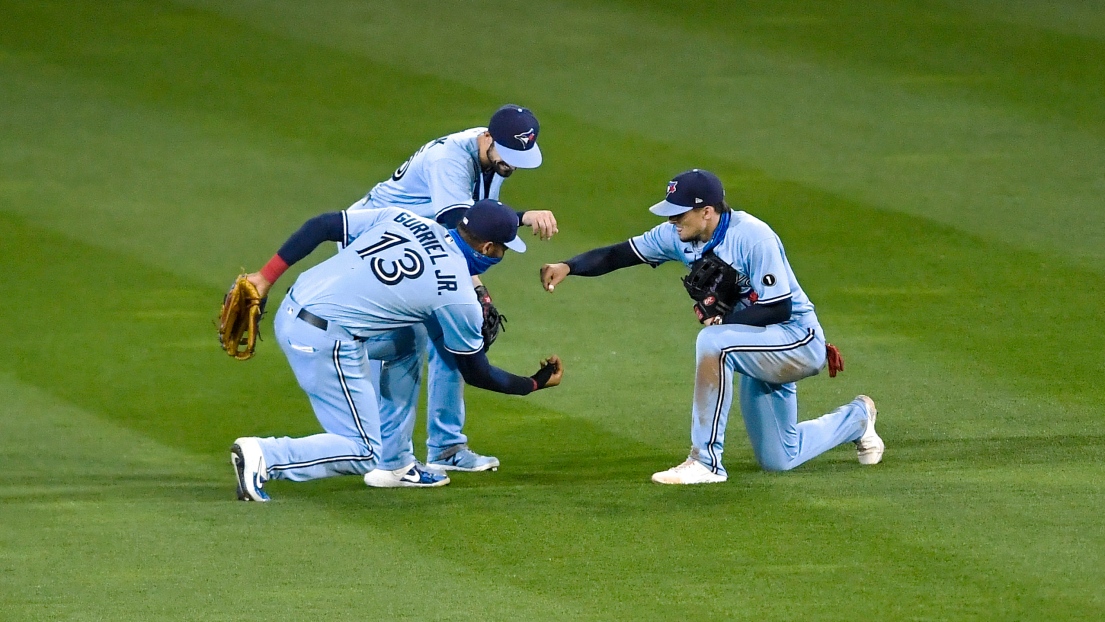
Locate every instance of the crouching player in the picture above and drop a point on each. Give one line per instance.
(399, 283)
(759, 326)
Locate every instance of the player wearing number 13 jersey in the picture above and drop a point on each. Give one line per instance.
(379, 281)
(399, 281)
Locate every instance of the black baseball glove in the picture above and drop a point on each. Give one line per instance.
(712, 284)
(493, 321)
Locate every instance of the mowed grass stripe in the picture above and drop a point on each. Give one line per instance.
(126, 505)
(195, 64)
(89, 151)
(920, 149)
(966, 50)
(102, 523)
(891, 135)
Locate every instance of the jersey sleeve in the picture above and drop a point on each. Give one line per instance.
(767, 272)
(657, 245)
(449, 180)
(461, 327)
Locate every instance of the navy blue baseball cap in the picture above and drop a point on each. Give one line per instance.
(494, 221)
(514, 130)
(694, 188)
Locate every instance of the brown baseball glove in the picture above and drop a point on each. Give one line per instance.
(834, 359)
(240, 319)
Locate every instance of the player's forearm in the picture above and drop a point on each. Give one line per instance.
(327, 227)
(603, 260)
(479, 372)
(760, 315)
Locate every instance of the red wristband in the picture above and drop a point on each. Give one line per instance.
(274, 268)
(535, 387)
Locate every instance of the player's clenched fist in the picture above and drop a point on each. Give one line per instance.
(542, 221)
(552, 274)
(552, 370)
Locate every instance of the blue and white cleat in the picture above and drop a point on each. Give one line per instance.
(869, 447)
(415, 475)
(250, 469)
(460, 458)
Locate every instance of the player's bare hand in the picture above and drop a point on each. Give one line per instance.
(552, 274)
(713, 321)
(550, 374)
(542, 221)
(261, 283)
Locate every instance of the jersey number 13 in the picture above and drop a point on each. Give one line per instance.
(390, 272)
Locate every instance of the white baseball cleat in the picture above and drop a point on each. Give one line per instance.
(461, 458)
(250, 468)
(869, 447)
(690, 472)
(414, 475)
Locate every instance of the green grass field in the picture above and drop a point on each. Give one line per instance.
(935, 169)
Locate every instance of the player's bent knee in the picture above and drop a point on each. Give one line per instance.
(775, 467)
(775, 463)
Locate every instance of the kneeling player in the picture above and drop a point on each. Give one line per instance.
(759, 325)
(399, 281)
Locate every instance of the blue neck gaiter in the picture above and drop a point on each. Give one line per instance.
(478, 263)
(719, 233)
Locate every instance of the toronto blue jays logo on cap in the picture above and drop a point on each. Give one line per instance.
(690, 190)
(526, 137)
(514, 130)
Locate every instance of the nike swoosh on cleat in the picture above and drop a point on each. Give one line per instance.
(257, 482)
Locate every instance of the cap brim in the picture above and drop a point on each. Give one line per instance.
(516, 245)
(530, 158)
(664, 208)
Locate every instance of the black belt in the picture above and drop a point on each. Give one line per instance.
(319, 323)
(313, 319)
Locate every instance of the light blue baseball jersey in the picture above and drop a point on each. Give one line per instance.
(443, 174)
(395, 270)
(750, 246)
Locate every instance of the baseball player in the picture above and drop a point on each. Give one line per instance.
(439, 182)
(399, 281)
(759, 325)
